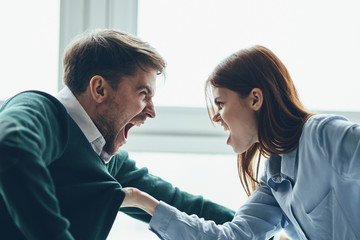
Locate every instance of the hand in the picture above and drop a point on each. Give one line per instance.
(136, 198)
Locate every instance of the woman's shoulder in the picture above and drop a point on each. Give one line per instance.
(318, 122)
(324, 118)
(335, 138)
(323, 126)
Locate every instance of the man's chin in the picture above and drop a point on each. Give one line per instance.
(112, 150)
(112, 146)
(119, 147)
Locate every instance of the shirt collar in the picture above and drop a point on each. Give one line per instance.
(289, 164)
(282, 168)
(82, 119)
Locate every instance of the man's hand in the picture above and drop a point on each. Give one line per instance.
(136, 198)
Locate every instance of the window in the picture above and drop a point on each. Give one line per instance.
(317, 41)
(29, 46)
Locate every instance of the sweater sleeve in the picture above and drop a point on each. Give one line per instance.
(30, 139)
(129, 175)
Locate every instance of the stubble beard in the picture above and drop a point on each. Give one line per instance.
(108, 131)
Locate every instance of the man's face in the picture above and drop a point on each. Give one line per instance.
(128, 105)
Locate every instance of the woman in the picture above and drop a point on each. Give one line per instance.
(311, 183)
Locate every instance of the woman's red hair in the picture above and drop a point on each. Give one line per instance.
(281, 117)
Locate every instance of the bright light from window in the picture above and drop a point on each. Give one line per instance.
(213, 176)
(318, 41)
(29, 46)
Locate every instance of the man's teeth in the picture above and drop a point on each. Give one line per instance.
(137, 124)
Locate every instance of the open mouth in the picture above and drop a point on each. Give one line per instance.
(125, 132)
(128, 126)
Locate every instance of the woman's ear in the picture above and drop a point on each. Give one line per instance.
(257, 99)
(97, 86)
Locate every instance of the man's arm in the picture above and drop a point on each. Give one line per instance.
(29, 140)
(128, 175)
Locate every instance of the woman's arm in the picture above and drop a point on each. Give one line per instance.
(259, 218)
(139, 199)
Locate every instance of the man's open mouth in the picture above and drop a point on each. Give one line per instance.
(130, 125)
(127, 128)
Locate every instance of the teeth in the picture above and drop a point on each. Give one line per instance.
(137, 124)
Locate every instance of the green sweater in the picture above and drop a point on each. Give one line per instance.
(54, 186)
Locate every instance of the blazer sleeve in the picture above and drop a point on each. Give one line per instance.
(128, 175)
(30, 137)
(259, 218)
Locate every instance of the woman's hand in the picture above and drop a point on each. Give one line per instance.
(136, 198)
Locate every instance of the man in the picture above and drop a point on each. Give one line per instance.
(61, 174)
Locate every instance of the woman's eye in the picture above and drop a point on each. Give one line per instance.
(219, 104)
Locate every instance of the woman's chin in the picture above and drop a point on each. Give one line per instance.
(237, 149)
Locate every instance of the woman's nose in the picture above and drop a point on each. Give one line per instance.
(216, 117)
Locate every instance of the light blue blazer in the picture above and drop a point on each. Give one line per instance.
(312, 192)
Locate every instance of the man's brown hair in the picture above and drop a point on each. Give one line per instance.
(109, 53)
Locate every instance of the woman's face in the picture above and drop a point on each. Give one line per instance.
(238, 116)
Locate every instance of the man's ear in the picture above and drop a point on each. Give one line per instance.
(257, 99)
(97, 87)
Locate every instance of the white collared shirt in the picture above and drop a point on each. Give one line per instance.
(82, 119)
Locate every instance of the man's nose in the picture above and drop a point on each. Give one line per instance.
(150, 110)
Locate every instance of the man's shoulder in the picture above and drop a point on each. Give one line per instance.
(33, 94)
(34, 108)
(33, 99)
(34, 122)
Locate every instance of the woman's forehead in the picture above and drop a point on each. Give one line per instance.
(218, 91)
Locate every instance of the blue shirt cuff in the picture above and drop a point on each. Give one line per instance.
(161, 218)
